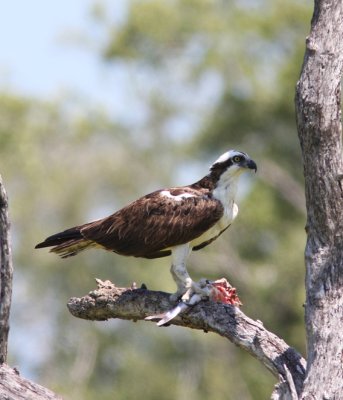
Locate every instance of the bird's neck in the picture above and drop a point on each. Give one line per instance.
(225, 189)
(207, 182)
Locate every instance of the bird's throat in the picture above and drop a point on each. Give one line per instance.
(226, 190)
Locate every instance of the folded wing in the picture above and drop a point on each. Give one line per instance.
(151, 225)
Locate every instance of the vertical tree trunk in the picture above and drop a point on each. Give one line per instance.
(6, 272)
(318, 106)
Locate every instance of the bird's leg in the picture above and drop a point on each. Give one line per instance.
(191, 293)
(186, 288)
(182, 280)
(179, 271)
(217, 291)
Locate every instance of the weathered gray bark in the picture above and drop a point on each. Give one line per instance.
(14, 387)
(318, 104)
(6, 273)
(228, 321)
(319, 126)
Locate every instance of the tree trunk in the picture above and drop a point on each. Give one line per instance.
(6, 273)
(318, 106)
(12, 385)
(319, 126)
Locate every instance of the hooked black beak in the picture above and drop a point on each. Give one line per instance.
(252, 165)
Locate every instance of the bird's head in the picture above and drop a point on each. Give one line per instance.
(232, 164)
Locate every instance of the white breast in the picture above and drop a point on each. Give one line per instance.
(225, 192)
(230, 214)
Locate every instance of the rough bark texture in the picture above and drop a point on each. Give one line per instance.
(14, 387)
(228, 321)
(318, 103)
(6, 273)
(319, 126)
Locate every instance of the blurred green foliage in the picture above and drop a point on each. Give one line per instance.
(217, 75)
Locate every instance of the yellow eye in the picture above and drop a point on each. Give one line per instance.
(237, 159)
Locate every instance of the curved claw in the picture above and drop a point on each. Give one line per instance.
(168, 315)
(218, 291)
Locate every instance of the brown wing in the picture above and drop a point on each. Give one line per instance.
(152, 224)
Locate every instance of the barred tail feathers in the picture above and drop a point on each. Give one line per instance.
(67, 243)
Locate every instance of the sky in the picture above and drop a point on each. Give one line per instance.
(41, 57)
(41, 53)
(53, 49)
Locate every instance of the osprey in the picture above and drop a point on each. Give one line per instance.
(171, 221)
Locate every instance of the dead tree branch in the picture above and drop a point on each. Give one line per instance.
(14, 387)
(108, 301)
